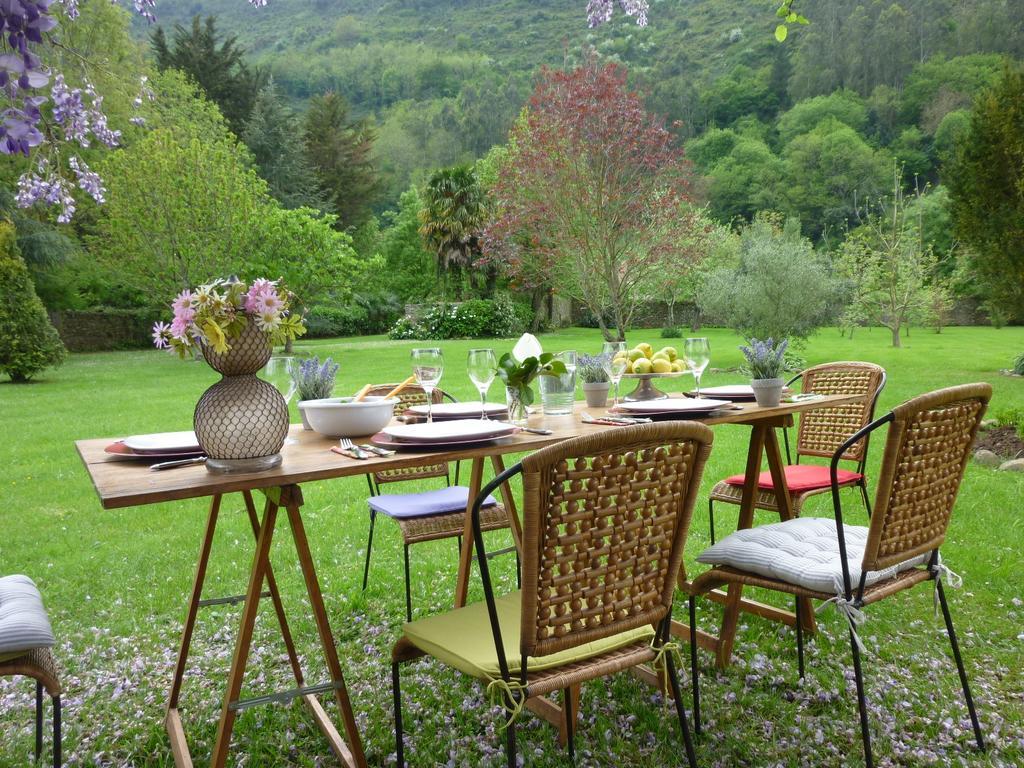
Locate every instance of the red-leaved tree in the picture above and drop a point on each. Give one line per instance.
(591, 199)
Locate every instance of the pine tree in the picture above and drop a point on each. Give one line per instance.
(28, 342)
(216, 65)
(271, 133)
(341, 152)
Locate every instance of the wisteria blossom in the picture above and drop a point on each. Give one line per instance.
(600, 11)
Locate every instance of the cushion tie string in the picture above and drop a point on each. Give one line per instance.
(941, 571)
(500, 692)
(660, 663)
(854, 616)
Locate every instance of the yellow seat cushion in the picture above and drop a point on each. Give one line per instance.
(462, 639)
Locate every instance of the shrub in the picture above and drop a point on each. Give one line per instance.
(478, 318)
(671, 332)
(28, 342)
(1012, 417)
(1018, 365)
(343, 320)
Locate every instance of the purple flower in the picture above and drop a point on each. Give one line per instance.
(161, 331)
(89, 181)
(600, 11)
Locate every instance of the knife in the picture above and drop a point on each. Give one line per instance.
(177, 463)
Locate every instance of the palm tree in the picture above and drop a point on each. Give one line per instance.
(453, 213)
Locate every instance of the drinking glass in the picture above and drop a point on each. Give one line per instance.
(615, 366)
(481, 366)
(698, 355)
(278, 371)
(558, 393)
(427, 366)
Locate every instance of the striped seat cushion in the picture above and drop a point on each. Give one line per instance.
(803, 551)
(23, 621)
(800, 478)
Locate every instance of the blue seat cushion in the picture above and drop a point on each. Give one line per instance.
(24, 624)
(442, 501)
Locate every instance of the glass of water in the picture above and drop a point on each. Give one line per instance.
(558, 393)
(427, 366)
(481, 365)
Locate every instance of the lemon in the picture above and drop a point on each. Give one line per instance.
(677, 366)
(671, 352)
(661, 365)
(646, 348)
(643, 365)
(636, 354)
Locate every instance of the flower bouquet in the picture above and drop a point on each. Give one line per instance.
(241, 422)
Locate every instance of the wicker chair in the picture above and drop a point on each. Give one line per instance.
(25, 642)
(605, 519)
(429, 526)
(819, 433)
(926, 451)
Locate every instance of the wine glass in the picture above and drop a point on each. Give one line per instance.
(698, 355)
(615, 366)
(278, 371)
(481, 365)
(427, 366)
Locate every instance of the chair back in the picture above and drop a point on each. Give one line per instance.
(605, 518)
(823, 430)
(412, 394)
(926, 451)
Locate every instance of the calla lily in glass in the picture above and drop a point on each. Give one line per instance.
(518, 368)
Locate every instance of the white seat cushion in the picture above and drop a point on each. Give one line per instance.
(803, 551)
(24, 624)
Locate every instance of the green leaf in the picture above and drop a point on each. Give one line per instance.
(801, 20)
(783, 11)
(791, 18)
(781, 32)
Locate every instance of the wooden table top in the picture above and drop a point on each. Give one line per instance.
(122, 483)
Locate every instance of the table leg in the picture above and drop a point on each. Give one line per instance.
(466, 555)
(508, 499)
(727, 634)
(785, 502)
(351, 754)
(238, 663)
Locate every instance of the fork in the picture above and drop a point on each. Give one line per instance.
(347, 445)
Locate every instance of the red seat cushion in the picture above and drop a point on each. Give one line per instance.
(800, 478)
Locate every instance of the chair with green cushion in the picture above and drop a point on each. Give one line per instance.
(605, 518)
(25, 642)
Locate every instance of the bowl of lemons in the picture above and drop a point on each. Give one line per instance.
(644, 364)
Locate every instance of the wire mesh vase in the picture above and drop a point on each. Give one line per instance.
(241, 421)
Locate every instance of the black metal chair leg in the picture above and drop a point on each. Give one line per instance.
(396, 692)
(39, 720)
(56, 733)
(711, 518)
(519, 571)
(694, 671)
(691, 754)
(864, 494)
(960, 664)
(570, 723)
(862, 703)
(799, 639)
(408, 587)
(369, 548)
(510, 743)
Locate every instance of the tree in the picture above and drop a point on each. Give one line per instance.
(592, 196)
(216, 64)
(986, 189)
(341, 153)
(28, 342)
(747, 180)
(845, 106)
(407, 263)
(283, 162)
(888, 267)
(181, 212)
(454, 211)
(779, 288)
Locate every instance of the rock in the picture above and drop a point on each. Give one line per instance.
(1013, 465)
(986, 458)
(989, 423)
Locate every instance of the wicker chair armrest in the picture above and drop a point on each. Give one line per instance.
(485, 574)
(837, 507)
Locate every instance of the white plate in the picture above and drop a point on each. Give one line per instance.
(729, 390)
(448, 431)
(673, 405)
(455, 410)
(163, 442)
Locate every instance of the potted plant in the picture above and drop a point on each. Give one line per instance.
(594, 378)
(765, 359)
(518, 368)
(241, 422)
(313, 381)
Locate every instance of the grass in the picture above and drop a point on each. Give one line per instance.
(116, 582)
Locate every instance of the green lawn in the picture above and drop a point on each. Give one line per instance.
(115, 583)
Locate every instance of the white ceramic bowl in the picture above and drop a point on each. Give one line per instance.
(340, 417)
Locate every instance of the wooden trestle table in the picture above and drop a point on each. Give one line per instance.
(124, 484)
